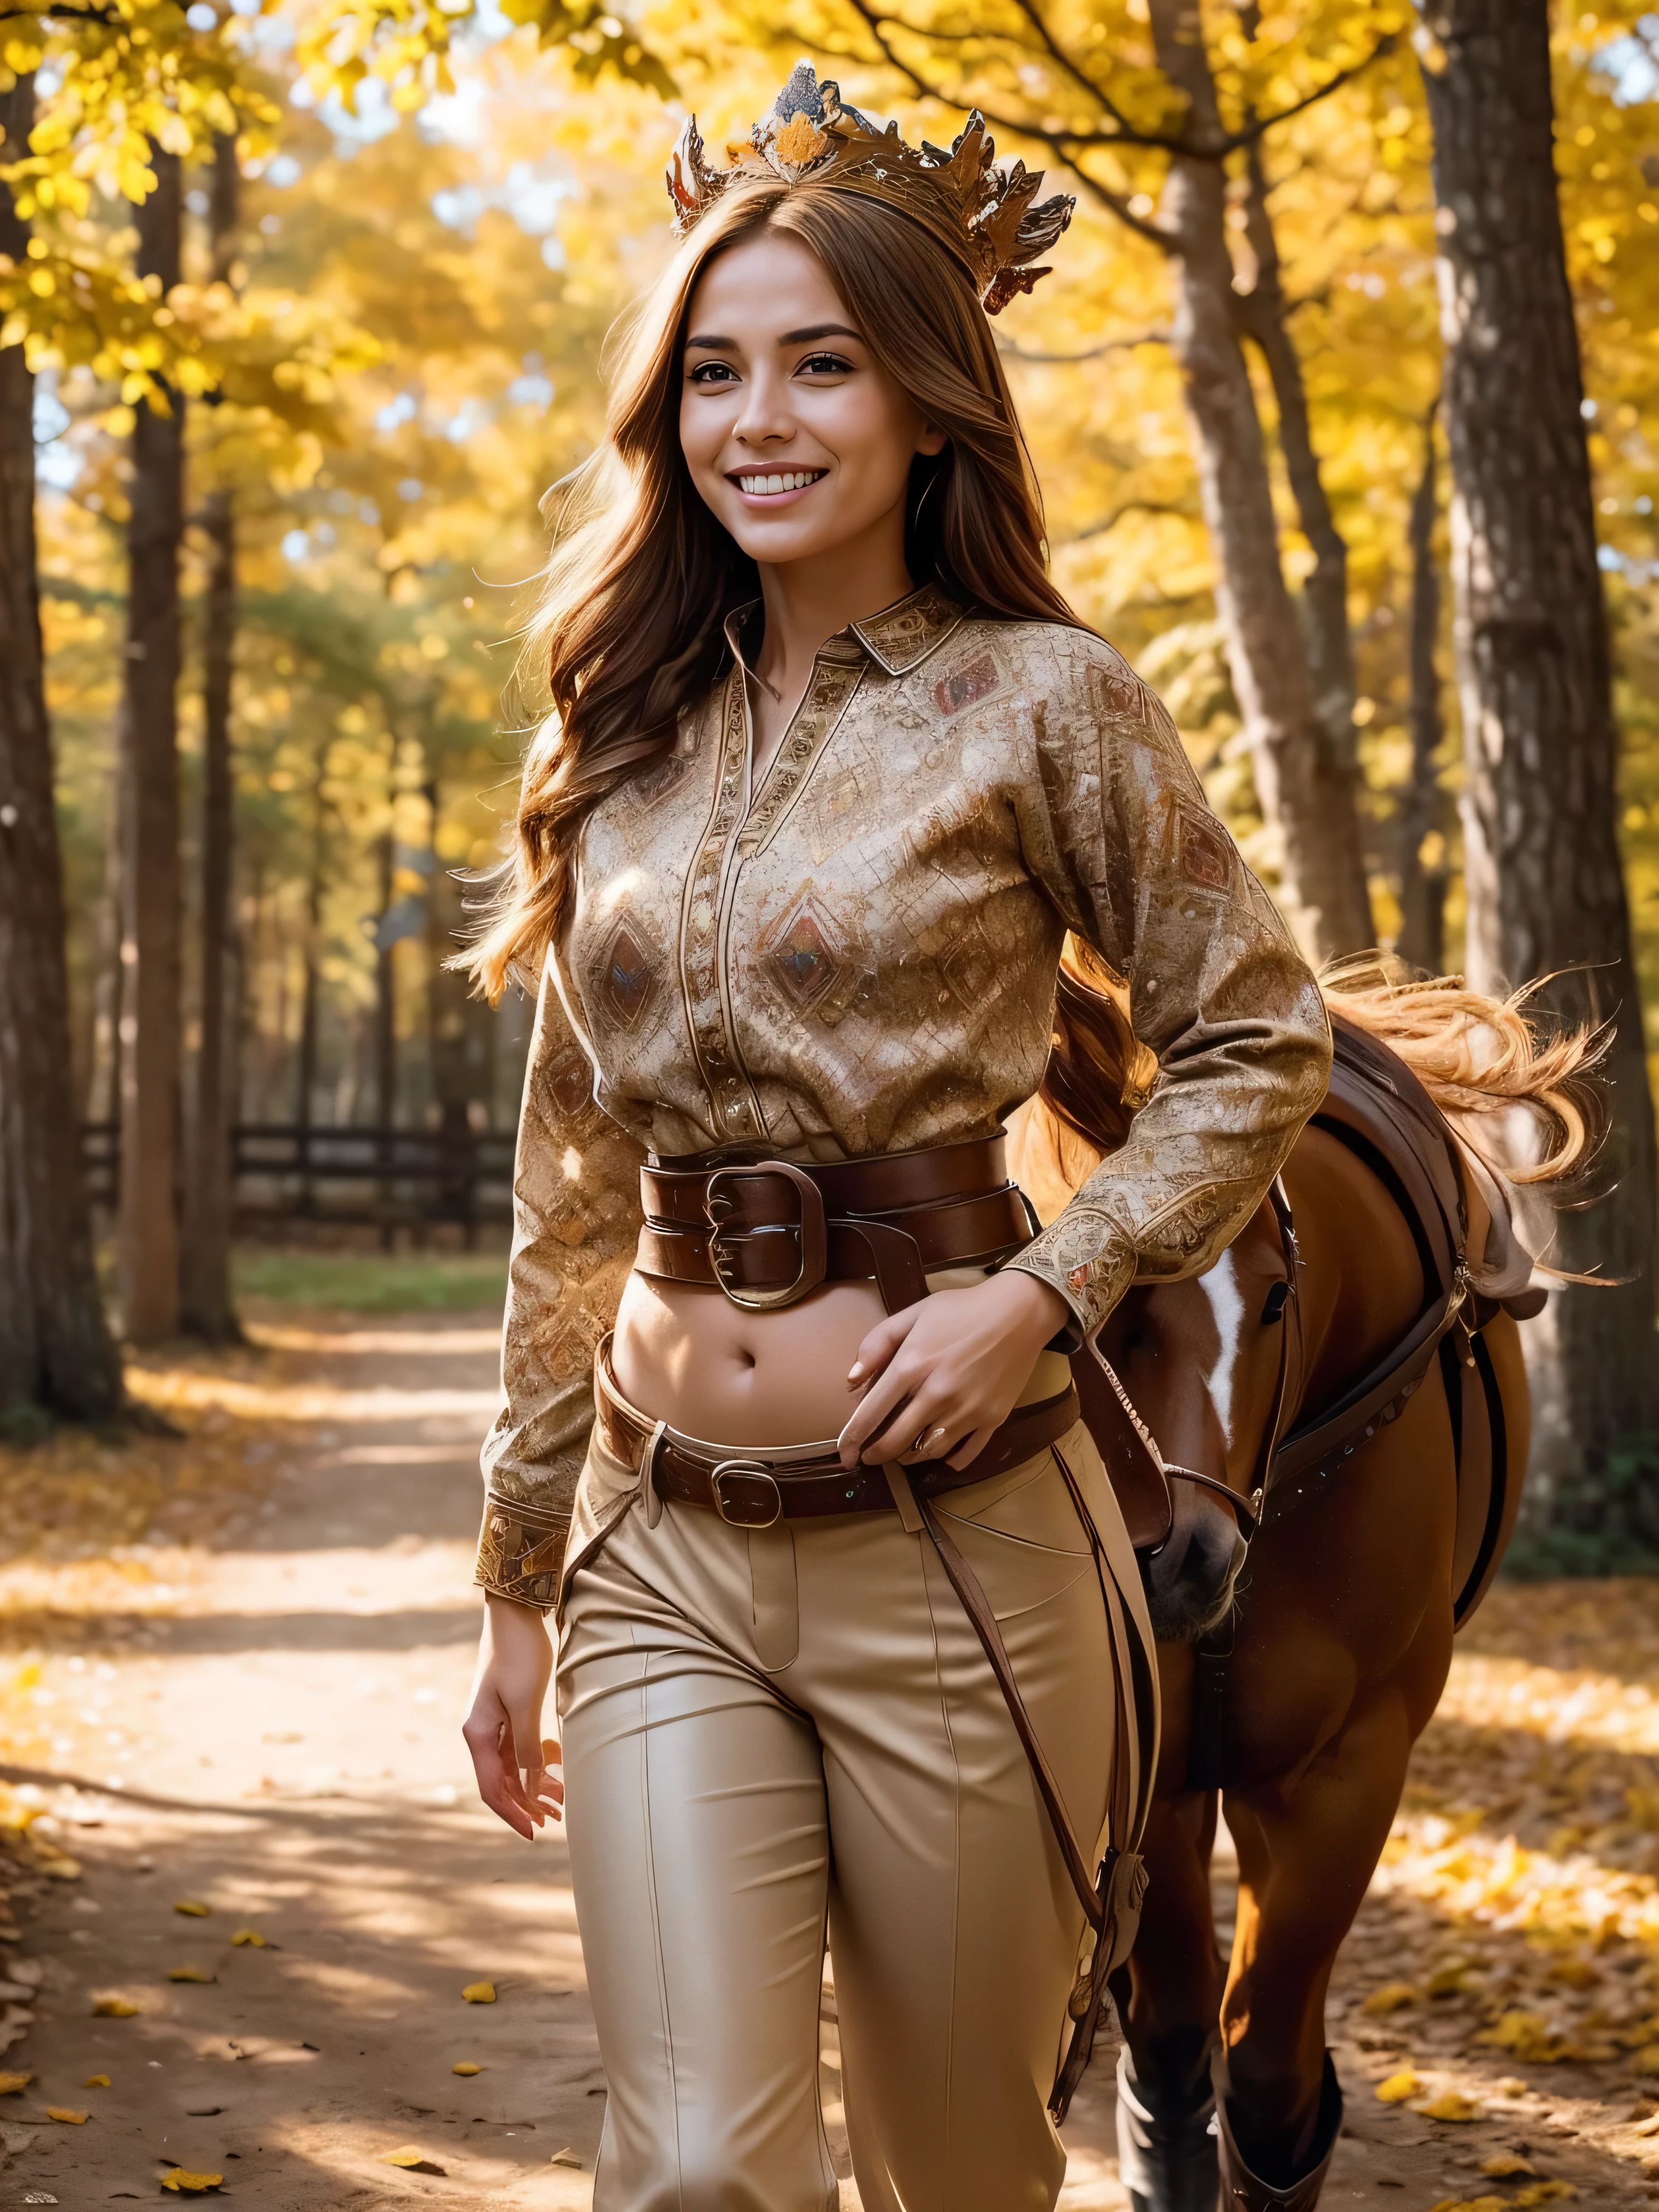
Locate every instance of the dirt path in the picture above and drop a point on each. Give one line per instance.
(269, 1728)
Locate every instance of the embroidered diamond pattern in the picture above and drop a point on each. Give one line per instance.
(807, 955)
(628, 982)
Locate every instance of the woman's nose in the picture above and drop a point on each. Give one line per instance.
(764, 419)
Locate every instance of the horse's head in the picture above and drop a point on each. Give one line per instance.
(1189, 1579)
(1199, 1361)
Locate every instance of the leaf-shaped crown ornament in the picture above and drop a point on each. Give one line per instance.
(982, 214)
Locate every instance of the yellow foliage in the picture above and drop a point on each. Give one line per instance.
(1398, 2088)
(1391, 1997)
(1449, 2105)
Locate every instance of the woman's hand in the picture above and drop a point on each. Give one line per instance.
(503, 1726)
(940, 1377)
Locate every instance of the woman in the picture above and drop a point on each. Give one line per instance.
(852, 1643)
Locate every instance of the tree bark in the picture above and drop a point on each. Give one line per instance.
(1542, 859)
(206, 1305)
(149, 1234)
(1304, 794)
(1423, 875)
(56, 1351)
(1263, 311)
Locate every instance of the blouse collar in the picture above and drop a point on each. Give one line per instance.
(898, 639)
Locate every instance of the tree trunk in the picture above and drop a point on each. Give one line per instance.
(1423, 872)
(207, 1308)
(385, 1037)
(149, 1238)
(1546, 887)
(305, 1080)
(1303, 796)
(1262, 313)
(54, 1350)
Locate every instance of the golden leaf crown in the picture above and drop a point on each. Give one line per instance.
(982, 214)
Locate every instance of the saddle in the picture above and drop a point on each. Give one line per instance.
(1376, 1107)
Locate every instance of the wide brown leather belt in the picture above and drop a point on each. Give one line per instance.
(752, 1489)
(768, 1231)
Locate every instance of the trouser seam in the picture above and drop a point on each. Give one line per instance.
(656, 1920)
(956, 1857)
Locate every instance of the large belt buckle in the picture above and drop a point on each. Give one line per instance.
(746, 1496)
(808, 1228)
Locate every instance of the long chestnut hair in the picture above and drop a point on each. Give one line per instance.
(629, 626)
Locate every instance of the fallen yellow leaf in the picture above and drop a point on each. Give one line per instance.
(412, 2160)
(465, 2066)
(1545, 2192)
(566, 2157)
(11, 2083)
(67, 2114)
(479, 1992)
(1505, 2164)
(246, 1939)
(1646, 2061)
(96, 2082)
(113, 2008)
(1391, 1997)
(194, 1908)
(1576, 1974)
(1397, 2088)
(193, 2183)
(189, 1974)
(1450, 2106)
(1470, 2205)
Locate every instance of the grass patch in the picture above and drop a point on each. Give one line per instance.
(373, 1282)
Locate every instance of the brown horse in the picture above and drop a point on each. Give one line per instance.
(1300, 1682)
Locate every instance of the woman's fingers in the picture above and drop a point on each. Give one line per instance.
(497, 1779)
(969, 1449)
(878, 1407)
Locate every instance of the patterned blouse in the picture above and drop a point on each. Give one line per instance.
(859, 957)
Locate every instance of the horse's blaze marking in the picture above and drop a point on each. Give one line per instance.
(1219, 1285)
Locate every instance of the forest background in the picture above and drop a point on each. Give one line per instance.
(360, 259)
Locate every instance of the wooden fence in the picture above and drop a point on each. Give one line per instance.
(286, 1171)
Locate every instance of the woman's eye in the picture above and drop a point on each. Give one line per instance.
(826, 364)
(712, 372)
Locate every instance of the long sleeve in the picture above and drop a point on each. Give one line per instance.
(1115, 827)
(577, 1221)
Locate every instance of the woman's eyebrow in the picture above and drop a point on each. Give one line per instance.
(819, 330)
(713, 345)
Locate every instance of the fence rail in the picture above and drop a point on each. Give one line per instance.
(283, 1171)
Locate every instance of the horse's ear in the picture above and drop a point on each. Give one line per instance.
(1099, 1073)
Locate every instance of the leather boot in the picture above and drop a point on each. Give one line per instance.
(1166, 2145)
(1244, 2191)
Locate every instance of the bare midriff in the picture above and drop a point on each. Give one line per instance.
(688, 1356)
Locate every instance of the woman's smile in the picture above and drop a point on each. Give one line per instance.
(773, 487)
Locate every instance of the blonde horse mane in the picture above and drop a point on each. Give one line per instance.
(1478, 1056)
(1483, 1061)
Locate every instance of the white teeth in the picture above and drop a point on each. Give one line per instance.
(790, 480)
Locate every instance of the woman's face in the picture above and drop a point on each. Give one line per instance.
(794, 436)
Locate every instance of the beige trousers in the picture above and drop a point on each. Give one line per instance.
(776, 1738)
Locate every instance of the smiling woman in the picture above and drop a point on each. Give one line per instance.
(853, 1643)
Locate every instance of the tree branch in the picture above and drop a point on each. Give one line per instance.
(1012, 352)
(88, 15)
(1260, 125)
(1186, 513)
(879, 27)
